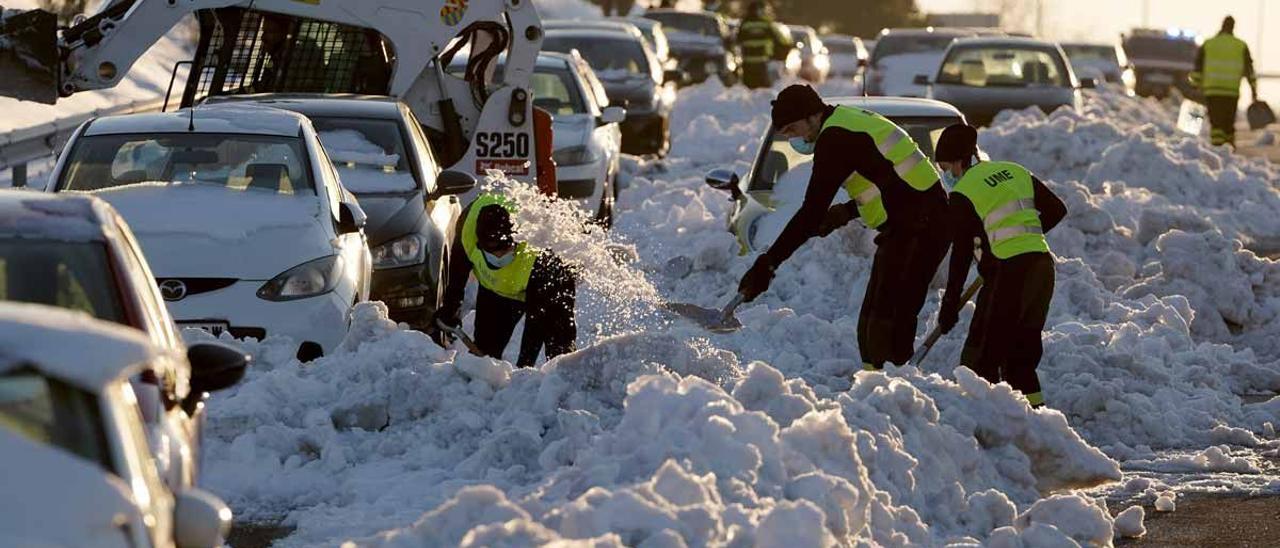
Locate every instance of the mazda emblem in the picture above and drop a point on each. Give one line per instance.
(173, 290)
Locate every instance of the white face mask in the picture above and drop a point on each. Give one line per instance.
(499, 262)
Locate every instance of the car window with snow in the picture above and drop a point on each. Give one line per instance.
(1001, 67)
(368, 154)
(612, 58)
(781, 159)
(252, 163)
(555, 91)
(54, 413)
(73, 275)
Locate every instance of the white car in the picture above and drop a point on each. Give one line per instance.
(71, 250)
(78, 470)
(241, 214)
(848, 55)
(901, 54)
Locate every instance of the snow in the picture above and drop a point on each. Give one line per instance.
(1129, 523)
(901, 70)
(29, 214)
(364, 166)
(70, 345)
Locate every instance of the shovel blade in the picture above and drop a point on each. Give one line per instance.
(29, 56)
(711, 319)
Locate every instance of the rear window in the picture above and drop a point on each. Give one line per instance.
(257, 163)
(1001, 67)
(369, 154)
(1167, 49)
(899, 44)
(51, 412)
(71, 275)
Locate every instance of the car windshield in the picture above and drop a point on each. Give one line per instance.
(74, 275)
(687, 22)
(256, 163)
(898, 44)
(780, 159)
(53, 413)
(556, 91)
(1001, 67)
(1166, 49)
(1078, 53)
(610, 57)
(368, 153)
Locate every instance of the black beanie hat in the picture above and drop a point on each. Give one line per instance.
(796, 102)
(494, 228)
(958, 142)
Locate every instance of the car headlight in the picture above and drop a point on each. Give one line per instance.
(305, 280)
(406, 251)
(575, 156)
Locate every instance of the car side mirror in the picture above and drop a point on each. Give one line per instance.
(723, 179)
(452, 182)
(613, 115)
(200, 519)
(215, 366)
(351, 218)
(921, 80)
(1088, 83)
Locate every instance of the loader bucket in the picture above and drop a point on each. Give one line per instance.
(29, 56)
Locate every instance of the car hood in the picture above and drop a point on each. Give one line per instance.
(210, 231)
(900, 71)
(979, 105)
(572, 130)
(391, 215)
(43, 515)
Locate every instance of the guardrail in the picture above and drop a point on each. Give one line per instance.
(22, 146)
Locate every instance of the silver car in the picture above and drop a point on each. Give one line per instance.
(983, 76)
(1102, 62)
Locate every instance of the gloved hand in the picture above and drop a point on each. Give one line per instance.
(756, 280)
(838, 216)
(446, 315)
(948, 316)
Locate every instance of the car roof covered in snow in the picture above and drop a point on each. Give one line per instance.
(926, 31)
(597, 33)
(896, 107)
(1002, 42)
(63, 216)
(239, 118)
(546, 60)
(70, 345)
(379, 107)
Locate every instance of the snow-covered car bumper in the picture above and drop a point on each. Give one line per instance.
(321, 320)
(583, 182)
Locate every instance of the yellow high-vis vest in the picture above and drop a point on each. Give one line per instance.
(896, 146)
(1004, 197)
(510, 281)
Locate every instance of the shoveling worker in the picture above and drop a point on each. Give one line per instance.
(1220, 64)
(759, 39)
(1007, 211)
(516, 280)
(895, 190)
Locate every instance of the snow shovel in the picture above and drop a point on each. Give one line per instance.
(937, 330)
(1260, 115)
(1191, 117)
(714, 320)
(29, 55)
(462, 336)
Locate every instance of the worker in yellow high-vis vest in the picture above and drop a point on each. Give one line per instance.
(1220, 64)
(759, 40)
(894, 189)
(515, 279)
(1007, 211)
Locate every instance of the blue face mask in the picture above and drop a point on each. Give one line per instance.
(801, 146)
(948, 180)
(499, 262)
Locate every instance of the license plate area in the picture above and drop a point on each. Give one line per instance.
(213, 328)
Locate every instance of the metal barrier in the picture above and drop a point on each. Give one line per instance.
(21, 146)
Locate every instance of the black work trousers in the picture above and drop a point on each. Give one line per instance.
(1222, 119)
(756, 75)
(904, 265)
(1012, 321)
(549, 304)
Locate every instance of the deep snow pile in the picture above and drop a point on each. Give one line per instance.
(658, 432)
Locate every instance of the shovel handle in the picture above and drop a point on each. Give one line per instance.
(937, 331)
(462, 336)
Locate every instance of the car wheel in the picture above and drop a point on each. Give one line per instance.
(604, 214)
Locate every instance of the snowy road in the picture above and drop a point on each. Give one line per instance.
(657, 430)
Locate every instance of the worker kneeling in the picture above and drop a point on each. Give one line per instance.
(516, 280)
(1006, 211)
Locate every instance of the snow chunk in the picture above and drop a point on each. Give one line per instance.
(1129, 523)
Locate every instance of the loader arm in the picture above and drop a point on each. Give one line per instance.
(490, 124)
